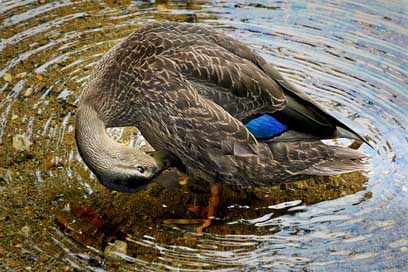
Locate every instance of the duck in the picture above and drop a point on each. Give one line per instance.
(206, 101)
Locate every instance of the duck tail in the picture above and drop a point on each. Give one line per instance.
(304, 115)
(341, 160)
(346, 132)
(314, 158)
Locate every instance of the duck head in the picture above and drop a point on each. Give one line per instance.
(118, 167)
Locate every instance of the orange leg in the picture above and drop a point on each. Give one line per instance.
(213, 201)
(182, 180)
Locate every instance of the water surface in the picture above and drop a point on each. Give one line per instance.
(351, 57)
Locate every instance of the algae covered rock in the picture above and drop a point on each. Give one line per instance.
(116, 249)
(21, 143)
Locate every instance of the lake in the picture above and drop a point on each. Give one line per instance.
(350, 56)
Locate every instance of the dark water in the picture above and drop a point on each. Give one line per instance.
(350, 56)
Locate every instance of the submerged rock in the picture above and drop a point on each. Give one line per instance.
(28, 92)
(21, 143)
(26, 231)
(21, 75)
(50, 161)
(7, 77)
(86, 226)
(116, 249)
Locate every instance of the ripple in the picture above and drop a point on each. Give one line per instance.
(351, 57)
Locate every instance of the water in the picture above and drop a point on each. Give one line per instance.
(351, 57)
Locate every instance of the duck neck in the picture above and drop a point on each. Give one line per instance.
(97, 149)
(109, 160)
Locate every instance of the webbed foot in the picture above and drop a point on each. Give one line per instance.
(213, 201)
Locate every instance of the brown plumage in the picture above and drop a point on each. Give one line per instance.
(190, 90)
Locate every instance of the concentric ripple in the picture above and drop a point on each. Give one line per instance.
(351, 57)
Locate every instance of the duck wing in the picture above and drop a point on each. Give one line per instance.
(224, 64)
(225, 77)
(207, 139)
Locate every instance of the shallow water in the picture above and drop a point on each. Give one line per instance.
(349, 56)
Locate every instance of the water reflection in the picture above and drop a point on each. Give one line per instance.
(349, 56)
(247, 213)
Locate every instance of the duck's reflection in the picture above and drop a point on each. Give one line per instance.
(108, 216)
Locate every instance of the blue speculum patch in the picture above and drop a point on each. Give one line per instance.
(265, 126)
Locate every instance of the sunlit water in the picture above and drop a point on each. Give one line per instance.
(350, 57)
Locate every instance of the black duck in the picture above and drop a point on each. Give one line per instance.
(210, 101)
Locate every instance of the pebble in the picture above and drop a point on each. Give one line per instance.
(118, 247)
(21, 143)
(21, 75)
(10, 262)
(2, 251)
(49, 162)
(28, 92)
(7, 77)
(26, 230)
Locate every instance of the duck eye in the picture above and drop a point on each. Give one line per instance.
(140, 169)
